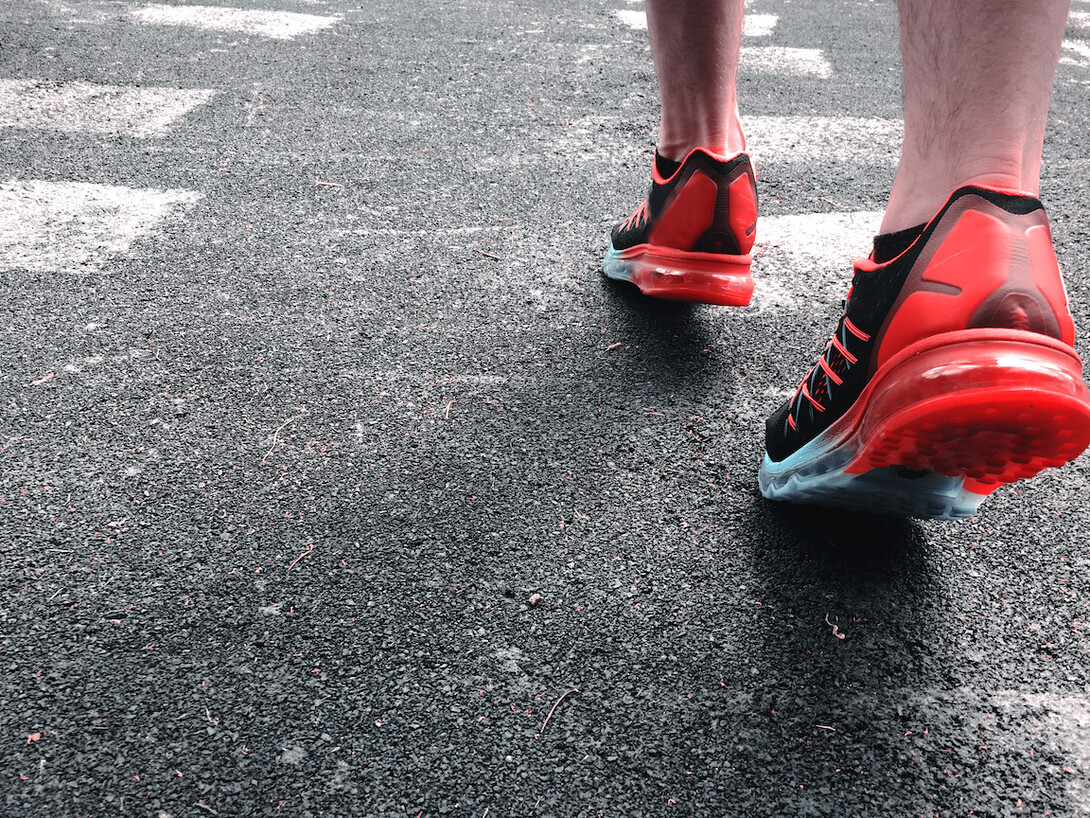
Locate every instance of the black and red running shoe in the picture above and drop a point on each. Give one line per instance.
(691, 238)
(951, 372)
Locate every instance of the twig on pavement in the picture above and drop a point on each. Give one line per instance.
(276, 433)
(545, 723)
(294, 561)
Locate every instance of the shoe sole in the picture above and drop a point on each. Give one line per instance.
(704, 278)
(944, 424)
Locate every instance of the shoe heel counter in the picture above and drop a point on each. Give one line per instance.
(712, 207)
(1033, 297)
(734, 222)
(1049, 280)
(689, 213)
(991, 269)
(742, 208)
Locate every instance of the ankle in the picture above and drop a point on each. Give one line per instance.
(723, 139)
(921, 189)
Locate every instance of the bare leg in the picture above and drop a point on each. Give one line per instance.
(695, 46)
(977, 77)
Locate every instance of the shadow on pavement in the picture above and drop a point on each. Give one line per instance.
(672, 346)
(839, 546)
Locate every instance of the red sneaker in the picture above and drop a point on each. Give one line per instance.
(690, 239)
(952, 371)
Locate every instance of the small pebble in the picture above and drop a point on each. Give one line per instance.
(535, 598)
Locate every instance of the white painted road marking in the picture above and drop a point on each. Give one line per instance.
(821, 240)
(430, 231)
(807, 259)
(632, 19)
(281, 25)
(809, 138)
(86, 108)
(790, 61)
(759, 25)
(753, 25)
(1081, 49)
(597, 140)
(76, 226)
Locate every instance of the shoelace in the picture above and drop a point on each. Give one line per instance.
(826, 367)
(637, 219)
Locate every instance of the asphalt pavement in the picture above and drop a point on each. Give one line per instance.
(336, 480)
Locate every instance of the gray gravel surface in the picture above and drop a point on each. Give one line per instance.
(372, 497)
